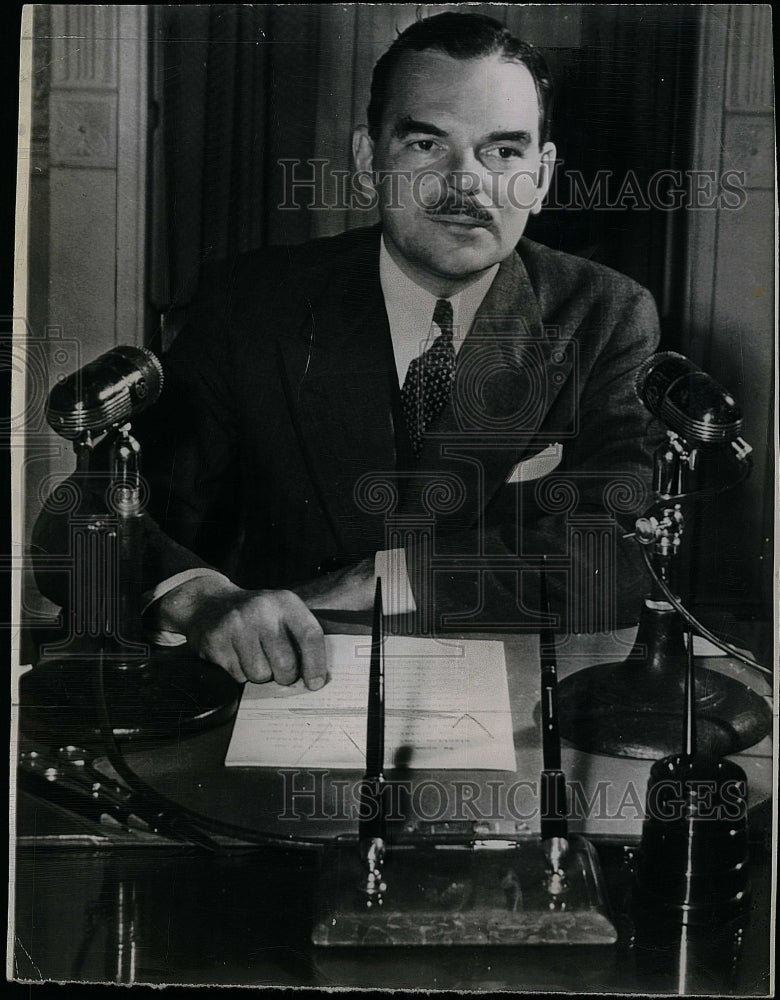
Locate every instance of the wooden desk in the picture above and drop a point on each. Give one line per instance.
(93, 904)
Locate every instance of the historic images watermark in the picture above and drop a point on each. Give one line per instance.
(317, 185)
(322, 795)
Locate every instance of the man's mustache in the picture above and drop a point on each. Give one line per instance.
(459, 206)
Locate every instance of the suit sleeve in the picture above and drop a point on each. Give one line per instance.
(574, 518)
(190, 445)
(188, 441)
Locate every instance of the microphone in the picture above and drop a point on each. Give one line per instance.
(108, 391)
(687, 400)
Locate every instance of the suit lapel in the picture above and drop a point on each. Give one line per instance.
(341, 389)
(509, 372)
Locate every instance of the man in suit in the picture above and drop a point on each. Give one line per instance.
(436, 400)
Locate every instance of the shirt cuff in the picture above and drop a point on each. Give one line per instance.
(390, 565)
(162, 637)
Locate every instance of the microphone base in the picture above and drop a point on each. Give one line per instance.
(635, 708)
(171, 694)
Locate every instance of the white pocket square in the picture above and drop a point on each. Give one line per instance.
(537, 465)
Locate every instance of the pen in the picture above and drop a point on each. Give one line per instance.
(62, 783)
(554, 826)
(371, 835)
(69, 780)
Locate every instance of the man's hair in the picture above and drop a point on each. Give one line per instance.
(462, 36)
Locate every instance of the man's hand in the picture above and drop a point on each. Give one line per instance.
(350, 589)
(255, 635)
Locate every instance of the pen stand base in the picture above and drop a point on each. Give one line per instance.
(459, 895)
(170, 695)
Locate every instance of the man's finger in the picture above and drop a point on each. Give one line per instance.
(252, 658)
(217, 648)
(281, 657)
(308, 636)
(225, 658)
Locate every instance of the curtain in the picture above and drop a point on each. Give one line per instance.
(624, 111)
(233, 89)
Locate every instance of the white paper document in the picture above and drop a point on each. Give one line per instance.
(446, 706)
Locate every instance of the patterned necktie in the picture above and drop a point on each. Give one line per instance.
(429, 379)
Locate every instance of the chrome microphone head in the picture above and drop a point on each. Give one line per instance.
(108, 391)
(687, 400)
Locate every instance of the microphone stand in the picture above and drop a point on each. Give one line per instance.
(161, 693)
(636, 708)
(693, 862)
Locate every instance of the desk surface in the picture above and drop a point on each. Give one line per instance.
(607, 794)
(94, 905)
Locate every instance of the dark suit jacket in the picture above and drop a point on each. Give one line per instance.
(278, 447)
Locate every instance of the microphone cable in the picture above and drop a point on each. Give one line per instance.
(160, 822)
(171, 819)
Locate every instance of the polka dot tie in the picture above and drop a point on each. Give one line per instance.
(429, 379)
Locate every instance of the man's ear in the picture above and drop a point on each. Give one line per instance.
(363, 151)
(363, 159)
(546, 167)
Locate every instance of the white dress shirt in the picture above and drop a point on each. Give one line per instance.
(410, 311)
(412, 330)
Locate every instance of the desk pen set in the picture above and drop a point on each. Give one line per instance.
(462, 882)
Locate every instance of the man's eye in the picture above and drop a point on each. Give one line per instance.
(504, 152)
(423, 145)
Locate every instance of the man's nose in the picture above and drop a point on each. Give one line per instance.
(465, 172)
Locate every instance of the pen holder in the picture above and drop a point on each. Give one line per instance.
(693, 861)
(487, 892)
